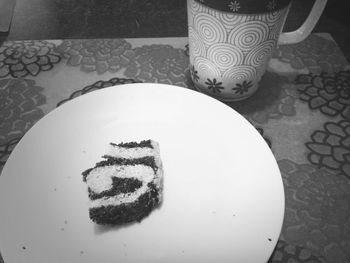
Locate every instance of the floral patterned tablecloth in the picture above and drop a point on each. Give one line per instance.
(302, 109)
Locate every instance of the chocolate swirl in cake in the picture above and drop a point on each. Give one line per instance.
(126, 185)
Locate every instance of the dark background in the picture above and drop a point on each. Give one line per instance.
(62, 19)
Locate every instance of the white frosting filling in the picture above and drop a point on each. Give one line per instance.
(130, 153)
(100, 178)
(119, 199)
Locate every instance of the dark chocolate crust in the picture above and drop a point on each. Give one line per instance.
(126, 212)
(145, 143)
(86, 173)
(148, 161)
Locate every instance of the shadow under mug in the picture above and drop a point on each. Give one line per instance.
(231, 42)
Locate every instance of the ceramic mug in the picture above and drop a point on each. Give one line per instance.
(231, 42)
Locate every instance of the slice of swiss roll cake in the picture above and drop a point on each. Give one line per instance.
(126, 185)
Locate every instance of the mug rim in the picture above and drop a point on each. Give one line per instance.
(245, 6)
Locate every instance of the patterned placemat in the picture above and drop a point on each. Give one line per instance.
(302, 109)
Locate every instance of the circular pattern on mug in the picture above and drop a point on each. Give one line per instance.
(196, 7)
(225, 55)
(272, 17)
(209, 28)
(259, 54)
(206, 67)
(249, 34)
(269, 18)
(230, 20)
(197, 46)
(276, 28)
(212, 12)
(256, 17)
(240, 73)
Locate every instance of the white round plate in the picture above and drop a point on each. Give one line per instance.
(223, 192)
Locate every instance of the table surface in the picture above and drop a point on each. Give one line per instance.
(302, 109)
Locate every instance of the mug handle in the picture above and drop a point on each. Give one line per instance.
(302, 32)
